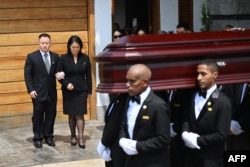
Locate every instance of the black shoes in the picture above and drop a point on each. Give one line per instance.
(38, 144)
(50, 142)
(82, 146)
(73, 141)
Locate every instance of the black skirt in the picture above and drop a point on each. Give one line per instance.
(74, 103)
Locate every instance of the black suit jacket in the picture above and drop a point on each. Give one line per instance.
(243, 116)
(241, 110)
(177, 104)
(78, 74)
(113, 119)
(37, 78)
(152, 133)
(212, 125)
(110, 135)
(242, 113)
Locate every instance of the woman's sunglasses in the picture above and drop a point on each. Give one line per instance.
(117, 36)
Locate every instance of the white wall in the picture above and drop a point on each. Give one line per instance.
(168, 14)
(197, 15)
(103, 36)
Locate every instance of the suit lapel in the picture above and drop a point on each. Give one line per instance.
(109, 109)
(208, 105)
(245, 91)
(143, 109)
(238, 93)
(246, 94)
(52, 62)
(192, 117)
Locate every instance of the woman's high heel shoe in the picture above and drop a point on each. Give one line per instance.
(73, 141)
(82, 145)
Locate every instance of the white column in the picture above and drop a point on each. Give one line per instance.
(103, 36)
(197, 15)
(168, 15)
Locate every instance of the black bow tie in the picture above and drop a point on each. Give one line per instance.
(136, 99)
(203, 93)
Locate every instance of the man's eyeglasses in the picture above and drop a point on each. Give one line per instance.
(117, 36)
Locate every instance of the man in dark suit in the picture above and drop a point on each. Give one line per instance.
(39, 74)
(207, 121)
(145, 134)
(239, 138)
(177, 99)
(108, 148)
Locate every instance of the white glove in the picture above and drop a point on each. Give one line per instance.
(193, 140)
(103, 152)
(106, 154)
(185, 136)
(128, 146)
(190, 139)
(235, 127)
(100, 148)
(172, 132)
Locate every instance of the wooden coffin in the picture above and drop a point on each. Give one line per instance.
(173, 58)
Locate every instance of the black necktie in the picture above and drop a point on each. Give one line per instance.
(136, 99)
(203, 93)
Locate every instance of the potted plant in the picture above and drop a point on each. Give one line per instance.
(206, 20)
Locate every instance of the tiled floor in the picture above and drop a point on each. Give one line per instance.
(17, 150)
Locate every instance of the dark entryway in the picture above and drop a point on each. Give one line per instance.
(138, 12)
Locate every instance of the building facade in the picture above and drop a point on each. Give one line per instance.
(22, 21)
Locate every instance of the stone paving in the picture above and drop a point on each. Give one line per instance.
(17, 149)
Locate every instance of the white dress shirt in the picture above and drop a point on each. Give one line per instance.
(133, 110)
(43, 53)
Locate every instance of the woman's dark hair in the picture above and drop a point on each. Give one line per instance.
(72, 39)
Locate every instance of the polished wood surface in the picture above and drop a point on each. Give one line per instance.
(173, 58)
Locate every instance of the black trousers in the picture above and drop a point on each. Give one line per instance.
(238, 142)
(117, 156)
(176, 151)
(43, 119)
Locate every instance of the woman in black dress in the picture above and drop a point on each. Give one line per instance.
(76, 87)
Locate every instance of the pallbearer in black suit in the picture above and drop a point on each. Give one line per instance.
(239, 138)
(207, 121)
(177, 100)
(108, 148)
(145, 134)
(39, 74)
